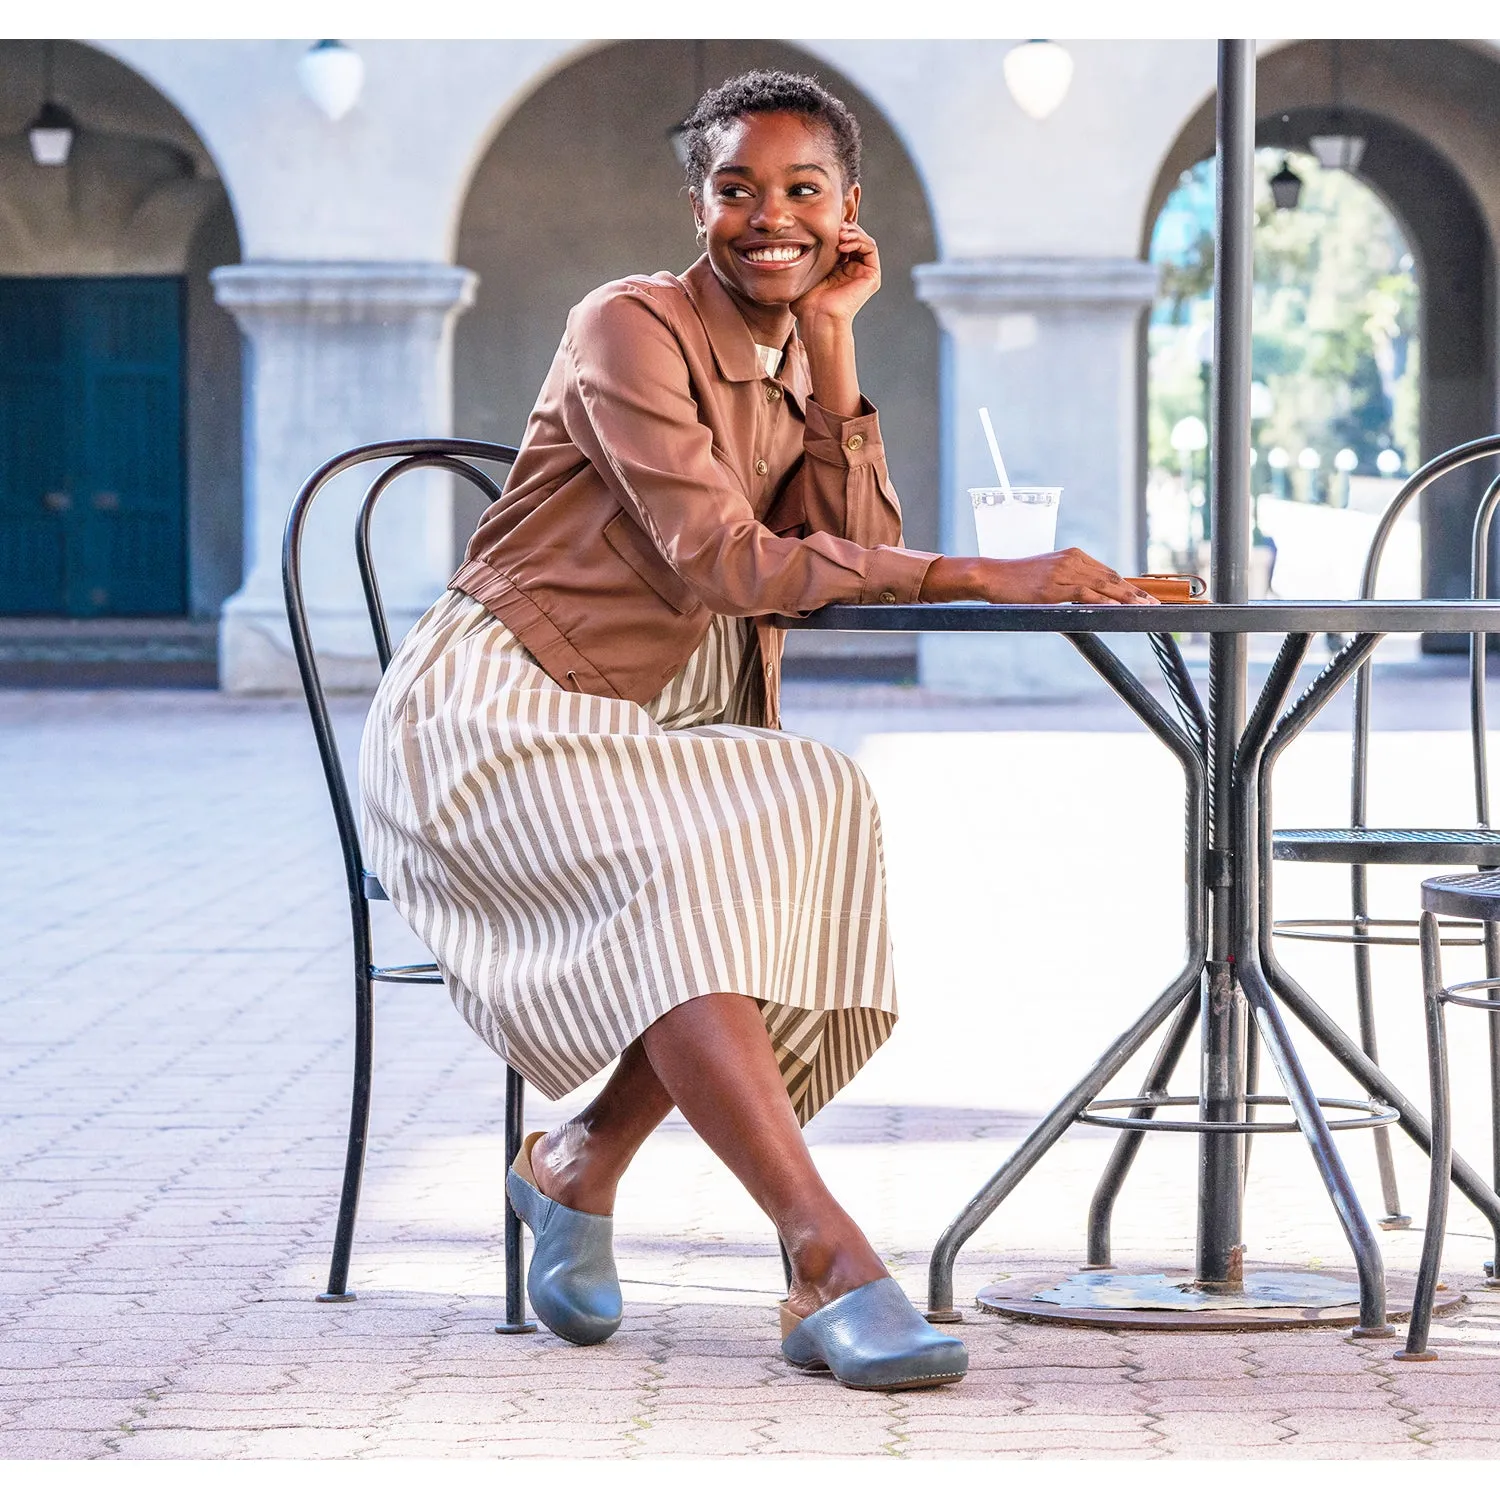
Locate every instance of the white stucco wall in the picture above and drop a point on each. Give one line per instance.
(388, 181)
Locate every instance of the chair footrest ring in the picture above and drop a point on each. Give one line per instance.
(1468, 992)
(1363, 1114)
(407, 974)
(1305, 930)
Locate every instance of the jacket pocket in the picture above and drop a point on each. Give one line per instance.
(635, 548)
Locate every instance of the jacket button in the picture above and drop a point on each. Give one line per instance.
(887, 597)
(856, 442)
(773, 393)
(762, 467)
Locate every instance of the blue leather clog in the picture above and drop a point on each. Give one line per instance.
(872, 1339)
(572, 1282)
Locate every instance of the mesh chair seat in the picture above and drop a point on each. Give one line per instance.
(1475, 897)
(1388, 846)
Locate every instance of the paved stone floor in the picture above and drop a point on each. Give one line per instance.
(175, 1054)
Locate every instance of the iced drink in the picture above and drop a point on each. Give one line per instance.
(1021, 524)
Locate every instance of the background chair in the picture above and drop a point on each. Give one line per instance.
(462, 458)
(1360, 845)
(1475, 898)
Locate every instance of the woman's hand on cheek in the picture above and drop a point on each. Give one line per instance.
(854, 279)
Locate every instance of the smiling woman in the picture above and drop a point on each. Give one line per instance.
(574, 787)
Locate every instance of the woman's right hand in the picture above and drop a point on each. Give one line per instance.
(1067, 577)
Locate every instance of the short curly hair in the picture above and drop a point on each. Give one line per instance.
(766, 92)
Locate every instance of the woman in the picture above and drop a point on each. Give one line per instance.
(574, 788)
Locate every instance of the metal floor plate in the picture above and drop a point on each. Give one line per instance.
(1164, 1293)
(1274, 1297)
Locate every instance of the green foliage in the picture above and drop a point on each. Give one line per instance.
(1335, 318)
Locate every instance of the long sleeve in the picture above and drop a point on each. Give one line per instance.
(630, 410)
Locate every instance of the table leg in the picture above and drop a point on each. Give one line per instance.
(1054, 1126)
(1122, 1158)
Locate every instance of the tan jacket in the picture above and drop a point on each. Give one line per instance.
(663, 477)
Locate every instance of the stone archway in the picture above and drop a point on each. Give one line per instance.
(1433, 155)
(115, 247)
(581, 186)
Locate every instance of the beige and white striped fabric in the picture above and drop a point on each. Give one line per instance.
(580, 865)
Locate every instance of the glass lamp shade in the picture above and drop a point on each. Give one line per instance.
(1286, 187)
(1338, 152)
(1037, 74)
(1190, 435)
(1278, 458)
(1309, 459)
(1388, 461)
(332, 76)
(51, 135)
(1346, 460)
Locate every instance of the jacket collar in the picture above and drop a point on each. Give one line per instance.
(730, 338)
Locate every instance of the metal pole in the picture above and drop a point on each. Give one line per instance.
(1220, 1252)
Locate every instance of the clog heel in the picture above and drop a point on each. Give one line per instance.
(872, 1339)
(572, 1282)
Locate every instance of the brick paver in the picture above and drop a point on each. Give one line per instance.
(174, 1060)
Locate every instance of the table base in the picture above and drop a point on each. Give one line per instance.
(1274, 1298)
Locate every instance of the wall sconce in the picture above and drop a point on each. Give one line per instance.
(52, 132)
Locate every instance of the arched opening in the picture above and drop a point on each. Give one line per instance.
(1335, 363)
(1430, 159)
(581, 186)
(120, 458)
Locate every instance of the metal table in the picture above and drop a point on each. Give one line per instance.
(1227, 759)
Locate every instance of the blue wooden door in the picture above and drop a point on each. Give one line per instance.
(91, 467)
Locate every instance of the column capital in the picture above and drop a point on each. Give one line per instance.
(1002, 284)
(341, 291)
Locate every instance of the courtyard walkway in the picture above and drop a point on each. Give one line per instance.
(174, 1049)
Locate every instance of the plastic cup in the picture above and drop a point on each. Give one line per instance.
(1023, 524)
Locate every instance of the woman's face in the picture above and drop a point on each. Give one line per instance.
(771, 207)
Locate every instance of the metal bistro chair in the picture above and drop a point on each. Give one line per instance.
(1360, 845)
(1473, 898)
(460, 457)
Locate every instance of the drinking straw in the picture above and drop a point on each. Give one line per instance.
(989, 437)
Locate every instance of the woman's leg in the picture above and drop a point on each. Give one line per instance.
(581, 1162)
(712, 1058)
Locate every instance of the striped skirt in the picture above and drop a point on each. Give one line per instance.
(580, 865)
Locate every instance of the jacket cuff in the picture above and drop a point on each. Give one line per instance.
(850, 442)
(895, 575)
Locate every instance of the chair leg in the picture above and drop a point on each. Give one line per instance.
(1442, 1145)
(1492, 966)
(1364, 998)
(515, 1265)
(359, 1131)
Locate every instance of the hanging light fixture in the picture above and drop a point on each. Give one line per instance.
(677, 135)
(332, 76)
(1038, 73)
(1286, 187)
(1338, 150)
(53, 130)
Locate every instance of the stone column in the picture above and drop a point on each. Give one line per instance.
(337, 354)
(1051, 346)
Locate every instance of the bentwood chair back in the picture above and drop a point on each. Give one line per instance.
(462, 458)
(1360, 845)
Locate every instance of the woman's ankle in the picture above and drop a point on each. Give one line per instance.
(825, 1269)
(571, 1170)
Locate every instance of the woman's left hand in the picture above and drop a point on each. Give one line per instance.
(854, 279)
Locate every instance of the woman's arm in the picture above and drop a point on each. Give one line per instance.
(1067, 577)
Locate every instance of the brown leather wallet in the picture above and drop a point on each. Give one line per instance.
(1173, 588)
